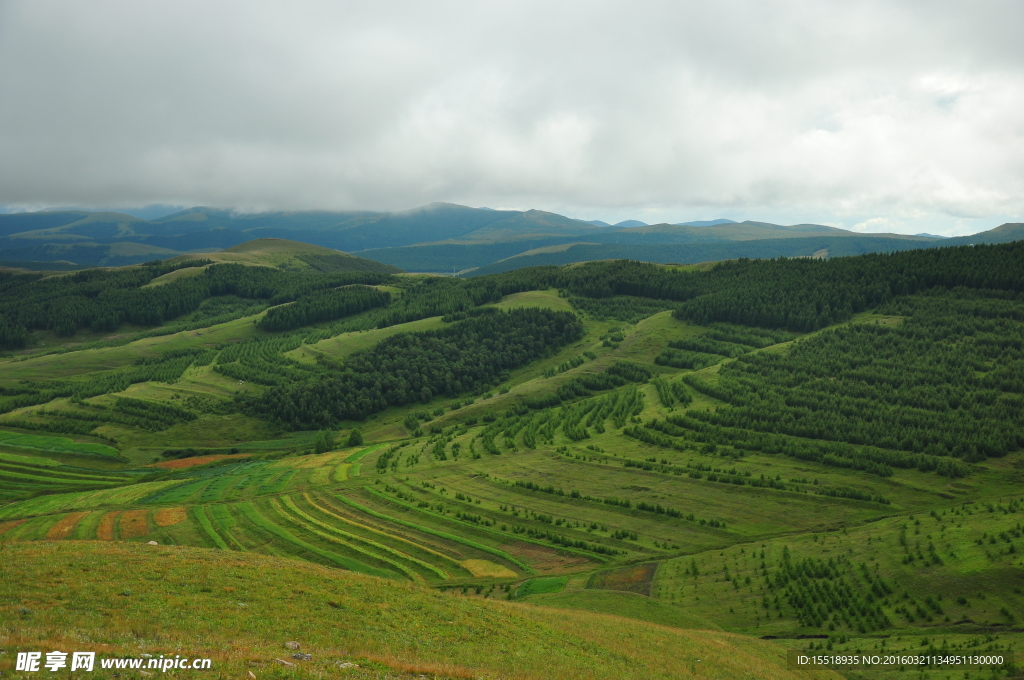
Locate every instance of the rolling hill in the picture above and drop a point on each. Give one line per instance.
(285, 254)
(439, 238)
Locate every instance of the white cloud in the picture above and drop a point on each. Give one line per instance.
(840, 112)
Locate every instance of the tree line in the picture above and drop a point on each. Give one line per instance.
(103, 299)
(324, 305)
(466, 356)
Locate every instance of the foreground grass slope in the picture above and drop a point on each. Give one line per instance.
(125, 599)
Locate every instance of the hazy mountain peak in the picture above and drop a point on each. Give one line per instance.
(705, 223)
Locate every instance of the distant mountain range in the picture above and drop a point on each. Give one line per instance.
(441, 237)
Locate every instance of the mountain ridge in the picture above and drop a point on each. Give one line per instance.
(439, 237)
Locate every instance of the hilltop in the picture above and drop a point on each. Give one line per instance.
(285, 254)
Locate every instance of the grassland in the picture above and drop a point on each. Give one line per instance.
(216, 604)
(582, 508)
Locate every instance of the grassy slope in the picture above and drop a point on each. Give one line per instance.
(285, 254)
(217, 604)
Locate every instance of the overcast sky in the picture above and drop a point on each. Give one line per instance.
(879, 116)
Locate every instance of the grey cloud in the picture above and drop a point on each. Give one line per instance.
(847, 112)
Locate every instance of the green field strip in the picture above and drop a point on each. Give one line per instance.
(290, 504)
(56, 444)
(15, 533)
(250, 512)
(340, 472)
(219, 488)
(380, 532)
(497, 532)
(440, 534)
(61, 473)
(271, 444)
(277, 485)
(28, 486)
(85, 530)
(33, 461)
(545, 500)
(199, 512)
(57, 481)
(538, 586)
(300, 479)
(356, 457)
(389, 530)
(177, 494)
(7, 527)
(225, 522)
(254, 538)
(320, 476)
(548, 502)
(412, 575)
(34, 529)
(83, 500)
(258, 480)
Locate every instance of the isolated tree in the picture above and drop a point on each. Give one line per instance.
(355, 438)
(324, 441)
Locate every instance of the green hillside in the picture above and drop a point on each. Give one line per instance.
(285, 254)
(214, 604)
(810, 454)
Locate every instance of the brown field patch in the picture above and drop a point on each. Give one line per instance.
(133, 523)
(105, 530)
(7, 526)
(65, 526)
(635, 579)
(181, 463)
(544, 558)
(168, 517)
(482, 568)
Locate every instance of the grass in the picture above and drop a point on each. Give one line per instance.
(538, 586)
(82, 501)
(214, 604)
(364, 553)
(439, 534)
(473, 527)
(226, 524)
(361, 529)
(248, 510)
(290, 504)
(199, 512)
(55, 444)
(619, 603)
(27, 460)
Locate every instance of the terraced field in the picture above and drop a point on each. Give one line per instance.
(640, 468)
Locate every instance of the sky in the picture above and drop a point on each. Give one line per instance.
(899, 116)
